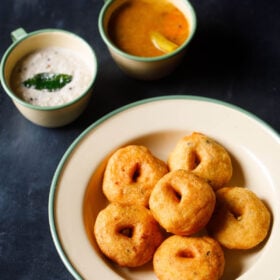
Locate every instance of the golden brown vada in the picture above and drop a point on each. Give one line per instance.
(189, 258)
(131, 174)
(240, 220)
(204, 157)
(127, 234)
(182, 202)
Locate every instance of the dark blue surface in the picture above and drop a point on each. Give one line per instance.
(234, 57)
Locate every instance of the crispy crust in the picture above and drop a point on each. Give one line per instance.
(131, 174)
(240, 220)
(204, 157)
(127, 234)
(189, 258)
(182, 202)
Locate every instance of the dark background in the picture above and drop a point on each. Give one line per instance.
(234, 57)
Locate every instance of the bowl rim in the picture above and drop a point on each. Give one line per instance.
(17, 99)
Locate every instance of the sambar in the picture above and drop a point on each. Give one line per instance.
(134, 23)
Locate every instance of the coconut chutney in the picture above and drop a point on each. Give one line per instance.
(53, 60)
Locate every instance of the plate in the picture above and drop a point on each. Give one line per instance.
(158, 123)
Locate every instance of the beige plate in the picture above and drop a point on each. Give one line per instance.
(159, 123)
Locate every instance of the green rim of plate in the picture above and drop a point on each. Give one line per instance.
(68, 152)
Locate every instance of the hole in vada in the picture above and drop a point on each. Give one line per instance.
(136, 172)
(236, 216)
(126, 231)
(185, 254)
(194, 160)
(235, 213)
(177, 196)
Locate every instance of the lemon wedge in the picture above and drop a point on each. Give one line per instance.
(162, 43)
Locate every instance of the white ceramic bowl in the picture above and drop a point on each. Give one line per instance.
(25, 43)
(76, 187)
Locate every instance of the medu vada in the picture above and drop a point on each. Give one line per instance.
(189, 258)
(182, 202)
(204, 157)
(131, 173)
(240, 220)
(127, 234)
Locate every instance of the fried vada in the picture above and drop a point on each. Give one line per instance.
(204, 157)
(182, 202)
(131, 173)
(240, 220)
(189, 258)
(127, 234)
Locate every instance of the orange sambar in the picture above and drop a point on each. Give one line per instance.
(131, 24)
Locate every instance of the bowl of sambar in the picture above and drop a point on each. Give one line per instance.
(147, 38)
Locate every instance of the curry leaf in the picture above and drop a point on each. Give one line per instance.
(48, 81)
